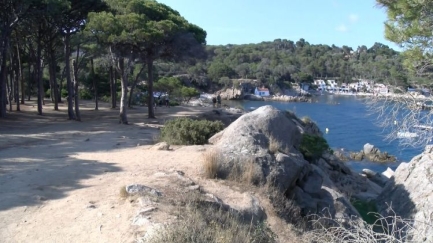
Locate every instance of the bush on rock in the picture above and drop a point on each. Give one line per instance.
(313, 146)
(186, 131)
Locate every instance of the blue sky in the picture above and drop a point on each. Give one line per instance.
(340, 22)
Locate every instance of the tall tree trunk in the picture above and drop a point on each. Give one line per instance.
(10, 89)
(3, 73)
(19, 79)
(76, 96)
(29, 82)
(39, 74)
(23, 91)
(131, 92)
(150, 99)
(113, 87)
(95, 84)
(55, 87)
(67, 43)
(61, 84)
(124, 81)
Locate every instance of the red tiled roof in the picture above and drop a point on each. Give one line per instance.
(262, 89)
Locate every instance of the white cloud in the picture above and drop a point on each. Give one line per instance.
(353, 18)
(341, 28)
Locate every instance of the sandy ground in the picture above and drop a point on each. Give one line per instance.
(60, 179)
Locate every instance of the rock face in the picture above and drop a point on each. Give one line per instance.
(251, 138)
(231, 94)
(409, 193)
(288, 98)
(370, 152)
(253, 97)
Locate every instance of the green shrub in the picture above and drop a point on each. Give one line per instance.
(313, 146)
(105, 98)
(186, 131)
(367, 210)
(64, 93)
(85, 94)
(174, 103)
(48, 93)
(119, 95)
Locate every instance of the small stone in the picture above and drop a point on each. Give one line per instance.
(161, 146)
(194, 188)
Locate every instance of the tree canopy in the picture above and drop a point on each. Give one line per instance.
(410, 25)
(149, 30)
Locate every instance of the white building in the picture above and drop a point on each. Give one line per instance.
(332, 85)
(380, 88)
(261, 91)
(321, 84)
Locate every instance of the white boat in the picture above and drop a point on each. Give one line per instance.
(406, 135)
(423, 127)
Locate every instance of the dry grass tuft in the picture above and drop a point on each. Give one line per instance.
(250, 173)
(211, 160)
(283, 207)
(386, 229)
(274, 145)
(123, 193)
(201, 221)
(246, 173)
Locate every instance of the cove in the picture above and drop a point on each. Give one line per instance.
(350, 125)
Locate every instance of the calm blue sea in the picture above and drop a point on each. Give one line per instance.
(349, 123)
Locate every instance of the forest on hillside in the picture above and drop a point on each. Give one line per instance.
(282, 62)
(66, 50)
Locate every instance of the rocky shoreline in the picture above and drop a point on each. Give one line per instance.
(369, 153)
(326, 182)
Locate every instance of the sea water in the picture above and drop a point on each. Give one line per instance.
(350, 126)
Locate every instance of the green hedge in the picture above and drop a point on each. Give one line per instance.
(186, 131)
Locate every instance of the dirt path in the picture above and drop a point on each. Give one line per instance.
(60, 179)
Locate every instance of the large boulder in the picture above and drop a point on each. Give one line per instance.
(253, 138)
(369, 149)
(409, 194)
(252, 133)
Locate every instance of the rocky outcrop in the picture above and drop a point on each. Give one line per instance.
(373, 154)
(288, 98)
(253, 97)
(350, 184)
(409, 194)
(231, 94)
(375, 177)
(251, 138)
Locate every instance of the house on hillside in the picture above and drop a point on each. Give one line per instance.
(305, 86)
(262, 91)
(380, 88)
(321, 84)
(366, 84)
(332, 85)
